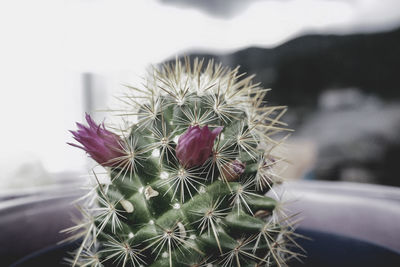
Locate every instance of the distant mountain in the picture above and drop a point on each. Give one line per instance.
(300, 69)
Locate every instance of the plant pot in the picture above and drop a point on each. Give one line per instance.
(324, 249)
(31, 220)
(352, 224)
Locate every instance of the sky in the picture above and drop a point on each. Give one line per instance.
(47, 45)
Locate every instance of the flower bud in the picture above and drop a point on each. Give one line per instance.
(195, 145)
(233, 170)
(102, 145)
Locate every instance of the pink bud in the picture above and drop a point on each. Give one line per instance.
(195, 145)
(102, 145)
(234, 170)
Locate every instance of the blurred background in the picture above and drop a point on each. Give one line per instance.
(335, 63)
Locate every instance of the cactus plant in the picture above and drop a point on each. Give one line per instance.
(188, 174)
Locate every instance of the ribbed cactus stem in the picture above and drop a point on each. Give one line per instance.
(188, 180)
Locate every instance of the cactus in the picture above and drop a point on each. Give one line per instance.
(187, 175)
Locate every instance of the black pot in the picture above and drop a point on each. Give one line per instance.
(323, 250)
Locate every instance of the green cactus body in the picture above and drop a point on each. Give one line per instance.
(157, 212)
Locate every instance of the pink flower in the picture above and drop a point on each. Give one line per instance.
(102, 145)
(195, 145)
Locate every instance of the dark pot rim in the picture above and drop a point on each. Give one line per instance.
(323, 249)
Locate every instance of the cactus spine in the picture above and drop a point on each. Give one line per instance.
(157, 211)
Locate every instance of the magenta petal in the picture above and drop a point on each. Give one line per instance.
(195, 145)
(102, 145)
(217, 130)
